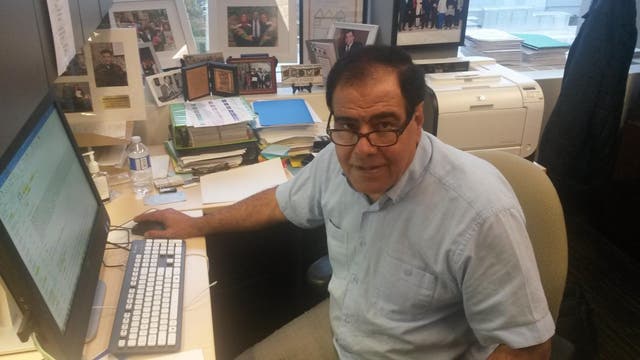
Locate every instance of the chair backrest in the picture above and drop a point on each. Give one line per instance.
(545, 219)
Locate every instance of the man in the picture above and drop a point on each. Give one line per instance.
(167, 90)
(430, 255)
(350, 44)
(109, 73)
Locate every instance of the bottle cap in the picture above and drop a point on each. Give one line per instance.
(135, 139)
(93, 164)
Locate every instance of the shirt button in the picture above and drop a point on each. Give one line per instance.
(408, 272)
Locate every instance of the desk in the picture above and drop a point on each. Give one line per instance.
(197, 323)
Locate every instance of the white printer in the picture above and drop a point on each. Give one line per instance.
(488, 107)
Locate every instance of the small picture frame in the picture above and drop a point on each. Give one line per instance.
(166, 87)
(322, 52)
(256, 75)
(352, 36)
(302, 77)
(191, 59)
(209, 78)
(148, 59)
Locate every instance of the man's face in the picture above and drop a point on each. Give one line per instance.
(373, 170)
(348, 38)
(106, 58)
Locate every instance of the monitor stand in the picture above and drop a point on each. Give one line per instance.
(10, 319)
(96, 311)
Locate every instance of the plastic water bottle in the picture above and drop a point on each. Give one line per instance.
(139, 167)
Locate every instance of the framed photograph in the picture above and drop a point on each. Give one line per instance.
(148, 59)
(255, 26)
(163, 23)
(322, 52)
(114, 73)
(74, 96)
(256, 75)
(225, 81)
(209, 78)
(316, 19)
(166, 87)
(352, 36)
(424, 24)
(302, 77)
(302, 74)
(191, 59)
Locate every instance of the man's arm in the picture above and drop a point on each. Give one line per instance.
(540, 351)
(254, 212)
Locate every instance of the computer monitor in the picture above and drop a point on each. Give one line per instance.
(53, 229)
(402, 24)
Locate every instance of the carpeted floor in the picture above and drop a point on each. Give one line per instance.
(608, 278)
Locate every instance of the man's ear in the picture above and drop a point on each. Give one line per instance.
(419, 115)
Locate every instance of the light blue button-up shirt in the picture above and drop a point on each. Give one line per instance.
(440, 267)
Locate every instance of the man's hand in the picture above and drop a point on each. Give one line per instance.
(177, 225)
(540, 351)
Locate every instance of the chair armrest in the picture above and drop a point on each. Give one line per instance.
(319, 273)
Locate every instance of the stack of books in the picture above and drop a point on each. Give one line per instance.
(211, 135)
(543, 50)
(286, 128)
(494, 43)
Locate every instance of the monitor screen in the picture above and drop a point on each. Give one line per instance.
(430, 22)
(53, 230)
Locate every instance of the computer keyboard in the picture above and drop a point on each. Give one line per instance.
(149, 314)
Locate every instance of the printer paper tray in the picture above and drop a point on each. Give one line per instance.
(482, 129)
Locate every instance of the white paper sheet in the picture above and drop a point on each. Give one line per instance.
(236, 184)
(62, 31)
(217, 112)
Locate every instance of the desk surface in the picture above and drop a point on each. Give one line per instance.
(197, 321)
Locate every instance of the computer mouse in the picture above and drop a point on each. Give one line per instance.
(144, 226)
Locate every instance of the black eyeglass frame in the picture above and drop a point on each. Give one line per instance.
(398, 132)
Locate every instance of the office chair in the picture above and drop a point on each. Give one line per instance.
(545, 225)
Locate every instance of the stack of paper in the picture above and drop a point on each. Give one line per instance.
(290, 123)
(543, 50)
(203, 160)
(493, 43)
(219, 121)
(237, 184)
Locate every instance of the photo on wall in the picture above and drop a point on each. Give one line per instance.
(252, 26)
(148, 59)
(110, 67)
(152, 25)
(74, 97)
(77, 66)
(163, 23)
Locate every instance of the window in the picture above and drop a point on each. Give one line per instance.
(550, 23)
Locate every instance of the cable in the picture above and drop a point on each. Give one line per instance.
(197, 297)
(41, 350)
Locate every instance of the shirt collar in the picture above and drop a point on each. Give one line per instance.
(412, 176)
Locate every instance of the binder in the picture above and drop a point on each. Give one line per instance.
(282, 112)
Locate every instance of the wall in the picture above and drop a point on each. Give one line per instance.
(30, 68)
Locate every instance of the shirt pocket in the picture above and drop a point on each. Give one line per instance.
(402, 291)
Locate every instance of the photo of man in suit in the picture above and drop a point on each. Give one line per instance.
(350, 43)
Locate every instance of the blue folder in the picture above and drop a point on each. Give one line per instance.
(282, 112)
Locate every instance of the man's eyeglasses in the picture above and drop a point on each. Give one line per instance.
(379, 138)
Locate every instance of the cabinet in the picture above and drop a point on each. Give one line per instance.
(28, 63)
